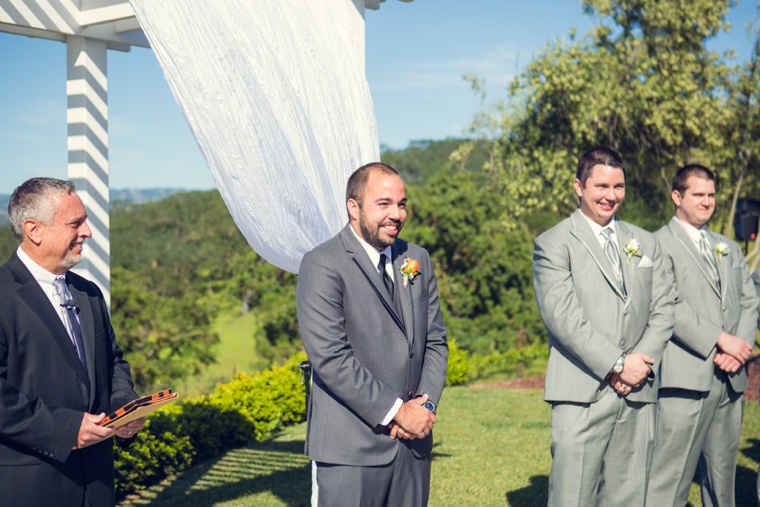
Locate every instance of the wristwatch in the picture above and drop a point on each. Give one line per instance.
(619, 364)
(429, 405)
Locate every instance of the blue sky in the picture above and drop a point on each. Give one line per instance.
(416, 55)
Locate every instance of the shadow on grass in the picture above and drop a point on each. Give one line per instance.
(277, 468)
(535, 494)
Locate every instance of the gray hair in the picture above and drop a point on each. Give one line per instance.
(35, 199)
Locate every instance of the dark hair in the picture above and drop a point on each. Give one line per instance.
(684, 173)
(358, 180)
(599, 155)
(36, 198)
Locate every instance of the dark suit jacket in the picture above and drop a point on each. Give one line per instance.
(364, 353)
(44, 392)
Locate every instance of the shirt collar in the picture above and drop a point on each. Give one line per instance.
(691, 231)
(597, 229)
(372, 252)
(42, 275)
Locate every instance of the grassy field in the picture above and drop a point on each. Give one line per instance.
(491, 448)
(235, 352)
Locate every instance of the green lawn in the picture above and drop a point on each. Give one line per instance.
(491, 448)
(236, 351)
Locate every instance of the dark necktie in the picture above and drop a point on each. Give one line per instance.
(386, 277)
(70, 318)
(709, 258)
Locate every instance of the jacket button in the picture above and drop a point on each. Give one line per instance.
(411, 355)
(410, 393)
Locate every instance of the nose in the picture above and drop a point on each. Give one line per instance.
(84, 230)
(394, 212)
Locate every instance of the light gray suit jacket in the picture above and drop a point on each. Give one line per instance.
(364, 353)
(590, 322)
(703, 311)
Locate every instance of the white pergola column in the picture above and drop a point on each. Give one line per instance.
(87, 119)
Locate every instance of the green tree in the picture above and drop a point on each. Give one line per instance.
(483, 268)
(642, 82)
(165, 339)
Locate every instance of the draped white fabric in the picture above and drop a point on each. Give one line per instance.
(276, 98)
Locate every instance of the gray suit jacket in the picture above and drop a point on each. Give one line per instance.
(364, 353)
(590, 322)
(756, 279)
(703, 311)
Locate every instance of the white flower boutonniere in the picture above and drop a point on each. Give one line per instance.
(633, 247)
(409, 270)
(722, 250)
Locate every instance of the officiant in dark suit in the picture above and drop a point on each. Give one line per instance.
(371, 324)
(61, 370)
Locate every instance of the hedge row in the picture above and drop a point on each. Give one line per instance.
(198, 429)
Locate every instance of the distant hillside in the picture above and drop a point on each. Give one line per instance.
(143, 195)
(118, 198)
(4, 209)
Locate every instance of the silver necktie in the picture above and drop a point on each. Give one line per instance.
(70, 319)
(613, 255)
(709, 258)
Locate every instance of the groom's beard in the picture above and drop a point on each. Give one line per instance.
(375, 235)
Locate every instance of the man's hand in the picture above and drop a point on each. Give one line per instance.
(726, 363)
(413, 420)
(636, 370)
(90, 433)
(734, 347)
(618, 385)
(131, 428)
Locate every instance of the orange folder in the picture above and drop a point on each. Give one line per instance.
(138, 408)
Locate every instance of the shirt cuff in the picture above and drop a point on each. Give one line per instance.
(392, 412)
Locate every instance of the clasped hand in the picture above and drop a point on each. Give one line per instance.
(733, 352)
(412, 420)
(635, 371)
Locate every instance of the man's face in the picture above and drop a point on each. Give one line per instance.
(383, 210)
(603, 193)
(60, 242)
(697, 204)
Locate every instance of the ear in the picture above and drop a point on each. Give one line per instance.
(676, 196)
(578, 186)
(353, 210)
(33, 231)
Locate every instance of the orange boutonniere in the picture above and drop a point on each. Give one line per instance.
(409, 270)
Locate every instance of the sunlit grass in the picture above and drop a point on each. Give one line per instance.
(491, 448)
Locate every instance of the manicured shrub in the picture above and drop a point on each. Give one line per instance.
(459, 365)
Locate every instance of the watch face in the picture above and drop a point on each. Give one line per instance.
(429, 405)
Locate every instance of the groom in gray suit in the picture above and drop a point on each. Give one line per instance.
(702, 374)
(609, 312)
(371, 324)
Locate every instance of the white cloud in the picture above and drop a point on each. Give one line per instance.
(497, 66)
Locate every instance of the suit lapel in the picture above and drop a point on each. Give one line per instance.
(624, 235)
(404, 294)
(723, 267)
(680, 235)
(87, 325)
(31, 293)
(370, 272)
(582, 231)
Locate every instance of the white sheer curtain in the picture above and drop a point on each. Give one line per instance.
(278, 103)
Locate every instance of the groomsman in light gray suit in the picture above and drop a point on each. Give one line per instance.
(603, 297)
(371, 324)
(702, 377)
